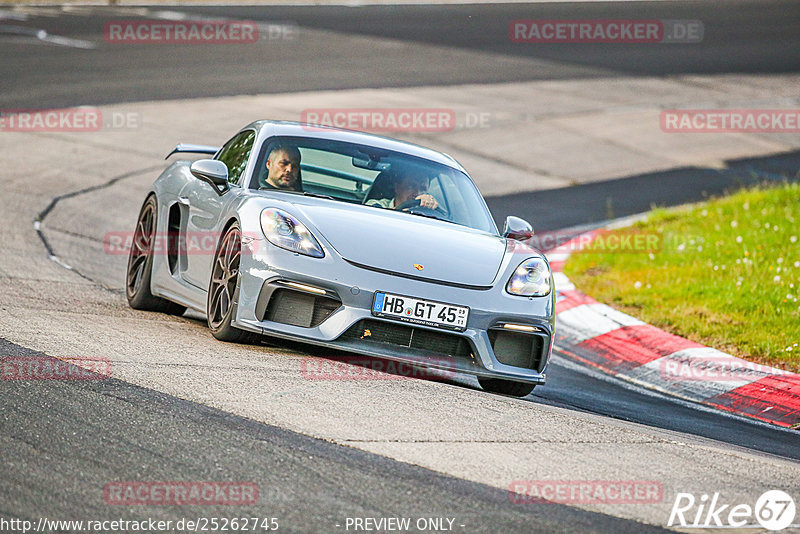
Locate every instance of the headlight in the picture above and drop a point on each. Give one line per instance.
(530, 279)
(284, 231)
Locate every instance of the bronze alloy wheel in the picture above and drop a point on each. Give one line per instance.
(223, 278)
(222, 289)
(140, 264)
(141, 248)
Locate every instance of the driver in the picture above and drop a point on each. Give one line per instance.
(283, 168)
(407, 187)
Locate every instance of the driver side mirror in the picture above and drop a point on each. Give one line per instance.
(518, 229)
(213, 172)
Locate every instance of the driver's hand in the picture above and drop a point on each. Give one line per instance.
(427, 201)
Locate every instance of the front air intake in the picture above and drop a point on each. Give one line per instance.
(296, 308)
(518, 349)
(433, 343)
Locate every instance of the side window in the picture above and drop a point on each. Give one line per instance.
(235, 154)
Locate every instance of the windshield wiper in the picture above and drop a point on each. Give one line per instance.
(426, 215)
(304, 193)
(317, 195)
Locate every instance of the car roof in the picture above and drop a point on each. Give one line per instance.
(300, 129)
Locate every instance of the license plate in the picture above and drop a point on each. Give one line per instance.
(420, 311)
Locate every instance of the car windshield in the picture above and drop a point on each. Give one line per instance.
(381, 179)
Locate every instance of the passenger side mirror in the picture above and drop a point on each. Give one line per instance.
(518, 229)
(213, 172)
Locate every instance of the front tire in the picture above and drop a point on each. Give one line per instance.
(506, 387)
(140, 264)
(222, 289)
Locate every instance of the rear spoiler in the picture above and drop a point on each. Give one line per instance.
(193, 149)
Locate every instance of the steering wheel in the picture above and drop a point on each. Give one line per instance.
(415, 205)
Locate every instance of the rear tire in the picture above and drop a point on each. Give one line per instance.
(140, 264)
(222, 289)
(506, 387)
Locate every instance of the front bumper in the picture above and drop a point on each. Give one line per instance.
(348, 324)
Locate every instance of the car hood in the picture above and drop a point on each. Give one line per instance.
(409, 245)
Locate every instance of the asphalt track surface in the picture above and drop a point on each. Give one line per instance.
(741, 37)
(309, 485)
(181, 440)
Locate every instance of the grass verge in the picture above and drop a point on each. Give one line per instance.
(724, 273)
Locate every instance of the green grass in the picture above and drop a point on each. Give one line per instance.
(727, 274)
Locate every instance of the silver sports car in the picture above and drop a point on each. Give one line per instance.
(350, 241)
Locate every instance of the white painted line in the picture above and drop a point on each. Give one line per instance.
(562, 282)
(10, 15)
(61, 263)
(169, 15)
(42, 35)
(591, 320)
(557, 256)
(65, 41)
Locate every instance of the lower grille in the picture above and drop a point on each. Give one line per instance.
(323, 308)
(517, 349)
(430, 341)
(299, 309)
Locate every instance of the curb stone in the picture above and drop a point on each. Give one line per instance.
(621, 345)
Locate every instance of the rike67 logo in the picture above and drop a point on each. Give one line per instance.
(773, 510)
